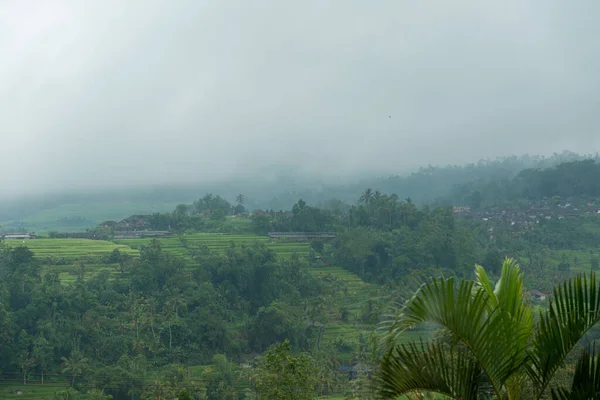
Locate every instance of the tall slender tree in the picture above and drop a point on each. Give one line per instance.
(240, 198)
(367, 196)
(74, 365)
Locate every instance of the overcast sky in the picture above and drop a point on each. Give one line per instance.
(146, 91)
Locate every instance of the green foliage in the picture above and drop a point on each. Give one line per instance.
(75, 365)
(429, 239)
(586, 378)
(492, 261)
(69, 394)
(576, 179)
(183, 316)
(117, 331)
(496, 350)
(317, 245)
(97, 394)
(283, 376)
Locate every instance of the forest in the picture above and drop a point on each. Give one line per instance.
(218, 310)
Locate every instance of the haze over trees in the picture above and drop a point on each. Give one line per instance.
(426, 185)
(211, 309)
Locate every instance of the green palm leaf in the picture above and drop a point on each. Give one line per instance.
(586, 380)
(499, 347)
(494, 325)
(431, 368)
(573, 310)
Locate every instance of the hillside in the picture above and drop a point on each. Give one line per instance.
(82, 210)
(81, 260)
(203, 306)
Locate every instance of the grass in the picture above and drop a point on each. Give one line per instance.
(31, 390)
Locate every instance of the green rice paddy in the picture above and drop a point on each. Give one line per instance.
(70, 249)
(188, 245)
(64, 255)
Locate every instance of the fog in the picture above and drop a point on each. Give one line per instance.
(113, 93)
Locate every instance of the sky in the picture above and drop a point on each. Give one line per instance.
(108, 93)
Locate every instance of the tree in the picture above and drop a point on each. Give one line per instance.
(97, 394)
(220, 378)
(42, 353)
(492, 261)
(367, 196)
(283, 376)
(239, 204)
(240, 198)
(275, 323)
(26, 362)
(261, 224)
(69, 394)
(74, 365)
(496, 349)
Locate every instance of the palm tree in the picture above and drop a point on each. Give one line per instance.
(97, 394)
(74, 365)
(25, 364)
(367, 196)
(497, 351)
(240, 199)
(377, 196)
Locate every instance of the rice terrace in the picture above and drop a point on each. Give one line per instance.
(63, 255)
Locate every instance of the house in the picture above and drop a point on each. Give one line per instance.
(537, 294)
(134, 222)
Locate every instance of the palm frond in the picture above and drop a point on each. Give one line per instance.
(428, 368)
(509, 290)
(496, 326)
(573, 310)
(586, 380)
(484, 283)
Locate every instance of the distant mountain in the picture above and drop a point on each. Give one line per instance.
(278, 191)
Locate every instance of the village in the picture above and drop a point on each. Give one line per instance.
(531, 213)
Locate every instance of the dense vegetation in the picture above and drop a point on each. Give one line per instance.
(214, 315)
(162, 308)
(156, 314)
(577, 179)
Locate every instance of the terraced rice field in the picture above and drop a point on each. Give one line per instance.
(188, 245)
(70, 249)
(63, 255)
(68, 273)
(171, 245)
(358, 291)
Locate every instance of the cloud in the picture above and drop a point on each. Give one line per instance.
(109, 93)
